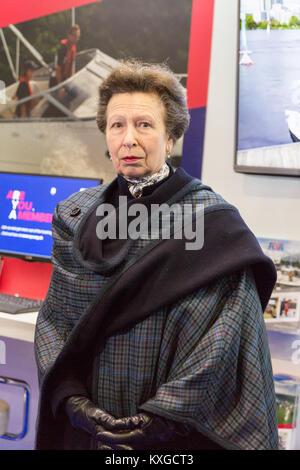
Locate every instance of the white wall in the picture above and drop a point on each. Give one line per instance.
(270, 205)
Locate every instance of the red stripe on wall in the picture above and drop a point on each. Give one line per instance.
(199, 52)
(286, 426)
(17, 11)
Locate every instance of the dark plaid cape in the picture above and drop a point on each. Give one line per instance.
(163, 329)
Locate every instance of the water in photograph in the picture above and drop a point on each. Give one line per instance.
(268, 87)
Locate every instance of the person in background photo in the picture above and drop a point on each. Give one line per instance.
(24, 89)
(66, 55)
(286, 307)
(64, 69)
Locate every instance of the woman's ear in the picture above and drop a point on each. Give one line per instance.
(170, 144)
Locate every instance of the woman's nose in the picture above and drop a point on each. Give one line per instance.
(130, 137)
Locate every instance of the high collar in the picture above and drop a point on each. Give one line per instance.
(124, 189)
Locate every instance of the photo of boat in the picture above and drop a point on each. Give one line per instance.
(61, 136)
(67, 144)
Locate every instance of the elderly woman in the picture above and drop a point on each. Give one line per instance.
(148, 342)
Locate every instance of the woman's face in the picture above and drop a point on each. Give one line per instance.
(136, 134)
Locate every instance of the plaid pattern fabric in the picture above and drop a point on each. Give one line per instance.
(203, 360)
(220, 379)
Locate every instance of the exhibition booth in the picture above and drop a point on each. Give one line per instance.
(237, 62)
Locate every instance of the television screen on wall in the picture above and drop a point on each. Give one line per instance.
(268, 101)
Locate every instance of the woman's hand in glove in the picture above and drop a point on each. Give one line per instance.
(141, 431)
(134, 432)
(82, 413)
(86, 416)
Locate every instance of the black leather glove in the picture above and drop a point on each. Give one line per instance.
(141, 431)
(86, 416)
(82, 413)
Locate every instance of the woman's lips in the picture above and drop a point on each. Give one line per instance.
(131, 159)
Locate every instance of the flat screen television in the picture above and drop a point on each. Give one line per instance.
(268, 91)
(27, 203)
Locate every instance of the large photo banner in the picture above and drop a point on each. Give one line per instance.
(48, 126)
(268, 136)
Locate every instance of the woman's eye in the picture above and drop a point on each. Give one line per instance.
(116, 124)
(145, 124)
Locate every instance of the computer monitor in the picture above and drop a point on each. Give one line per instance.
(27, 203)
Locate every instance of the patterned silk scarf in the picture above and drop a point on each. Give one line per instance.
(136, 185)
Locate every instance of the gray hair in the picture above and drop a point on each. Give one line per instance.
(133, 75)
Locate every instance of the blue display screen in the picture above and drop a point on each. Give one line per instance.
(27, 203)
